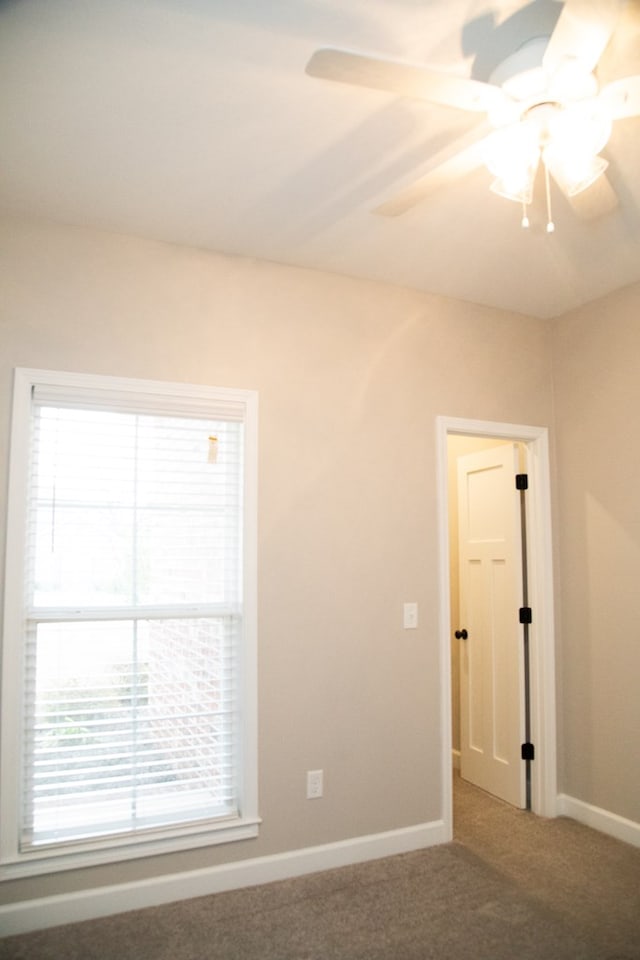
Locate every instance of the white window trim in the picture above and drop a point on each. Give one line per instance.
(13, 863)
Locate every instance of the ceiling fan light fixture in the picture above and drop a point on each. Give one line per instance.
(574, 139)
(515, 188)
(579, 130)
(576, 174)
(568, 139)
(512, 156)
(512, 152)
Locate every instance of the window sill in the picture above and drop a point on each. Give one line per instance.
(114, 850)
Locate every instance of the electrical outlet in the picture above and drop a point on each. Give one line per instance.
(314, 784)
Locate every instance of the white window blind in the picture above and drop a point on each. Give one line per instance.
(134, 616)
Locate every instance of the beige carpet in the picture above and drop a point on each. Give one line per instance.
(510, 887)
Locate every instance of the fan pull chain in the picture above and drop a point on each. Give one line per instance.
(525, 219)
(550, 224)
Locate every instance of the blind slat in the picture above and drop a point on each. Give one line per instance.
(90, 398)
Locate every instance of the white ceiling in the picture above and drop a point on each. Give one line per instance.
(193, 121)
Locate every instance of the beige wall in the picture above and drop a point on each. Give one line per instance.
(351, 376)
(597, 387)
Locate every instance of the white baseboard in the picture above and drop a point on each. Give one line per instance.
(51, 911)
(599, 819)
(455, 759)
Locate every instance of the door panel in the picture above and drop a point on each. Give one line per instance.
(490, 594)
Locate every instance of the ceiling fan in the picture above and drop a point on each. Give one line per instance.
(543, 103)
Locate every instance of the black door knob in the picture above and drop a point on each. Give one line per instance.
(461, 634)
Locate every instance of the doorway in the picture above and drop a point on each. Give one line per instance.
(533, 442)
(486, 589)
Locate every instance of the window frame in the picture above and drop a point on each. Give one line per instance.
(13, 862)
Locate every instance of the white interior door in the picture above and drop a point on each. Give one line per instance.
(491, 715)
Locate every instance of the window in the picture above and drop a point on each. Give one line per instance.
(129, 641)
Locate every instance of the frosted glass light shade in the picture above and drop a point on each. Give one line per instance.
(579, 130)
(514, 188)
(576, 136)
(512, 155)
(577, 174)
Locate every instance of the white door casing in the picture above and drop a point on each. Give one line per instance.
(491, 675)
(543, 709)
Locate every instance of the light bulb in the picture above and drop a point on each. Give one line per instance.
(512, 150)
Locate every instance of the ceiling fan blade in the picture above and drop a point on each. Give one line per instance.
(457, 160)
(599, 199)
(405, 80)
(622, 53)
(622, 97)
(582, 32)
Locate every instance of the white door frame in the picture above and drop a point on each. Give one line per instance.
(542, 637)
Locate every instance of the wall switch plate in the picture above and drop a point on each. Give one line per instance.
(314, 784)
(410, 616)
